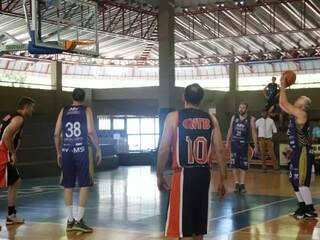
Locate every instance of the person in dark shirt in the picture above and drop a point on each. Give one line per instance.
(10, 133)
(302, 154)
(74, 129)
(271, 93)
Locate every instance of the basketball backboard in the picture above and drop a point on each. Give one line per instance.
(66, 25)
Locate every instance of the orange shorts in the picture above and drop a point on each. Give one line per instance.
(4, 159)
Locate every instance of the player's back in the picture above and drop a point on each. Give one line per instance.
(74, 126)
(193, 139)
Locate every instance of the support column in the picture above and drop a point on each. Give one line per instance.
(233, 81)
(56, 80)
(166, 59)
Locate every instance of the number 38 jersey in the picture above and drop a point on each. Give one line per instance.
(74, 126)
(192, 141)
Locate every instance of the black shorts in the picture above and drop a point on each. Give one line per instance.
(13, 174)
(188, 205)
(271, 102)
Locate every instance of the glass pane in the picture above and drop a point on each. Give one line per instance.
(156, 140)
(147, 125)
(104, 123)
(118, 124)
(147, 142)
(133, 126)
(134, 142)
(157, 130)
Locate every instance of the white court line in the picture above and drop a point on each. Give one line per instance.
(4, 198)
(251, 209)
(257, 207)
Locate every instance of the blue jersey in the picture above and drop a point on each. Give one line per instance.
(74, 126)
(298, 136)
(241, 129)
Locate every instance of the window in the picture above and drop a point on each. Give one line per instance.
(104, 123)
(253, 77)
(118, 124)
(143, 133)
(133, 125)
(213, 77)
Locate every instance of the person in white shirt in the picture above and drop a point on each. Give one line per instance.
(266, 128)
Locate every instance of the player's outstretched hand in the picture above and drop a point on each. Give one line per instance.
(98, 157)
(163, 184)
(221, 191)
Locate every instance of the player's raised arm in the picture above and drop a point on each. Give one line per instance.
(229, 133)
(57, 137)
(287, 106)
(10, 132)
(254, 134)
(165, 148)
(218, 146)
(93, 134)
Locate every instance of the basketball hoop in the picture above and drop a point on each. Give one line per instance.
(72, 44)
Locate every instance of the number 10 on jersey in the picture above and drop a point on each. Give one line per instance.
(197, 150)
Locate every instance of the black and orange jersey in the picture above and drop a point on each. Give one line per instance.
(5, 122)
(193, 139)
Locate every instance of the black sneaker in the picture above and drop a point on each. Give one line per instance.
(310, 212)
(300, 212)
(237, 188)
(242, 189)
(81, 226)
(70, 225)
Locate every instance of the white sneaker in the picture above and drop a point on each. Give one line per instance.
(13, 219)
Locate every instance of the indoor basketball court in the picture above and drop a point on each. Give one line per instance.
(201, 119)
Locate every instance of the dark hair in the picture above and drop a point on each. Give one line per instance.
(193, 94)
(244, 103)
(274, 78)
(25, 101)
(78, 94)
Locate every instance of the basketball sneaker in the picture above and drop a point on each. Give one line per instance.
(310, 212)
(13, 219)
(70, 225)
(81, 226)
(300, 212)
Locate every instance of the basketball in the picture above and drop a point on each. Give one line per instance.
(290, 77)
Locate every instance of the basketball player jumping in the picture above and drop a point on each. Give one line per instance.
(191, 134)
(10, 133)
(239, 137)
(75, 125)
(302, 155)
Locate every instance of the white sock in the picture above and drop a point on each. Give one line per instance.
(299, 197)
(70, 213)
(75, 211)
(306, 195)
(80, 213)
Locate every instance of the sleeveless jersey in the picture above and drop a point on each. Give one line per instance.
(192, 141)
(298, 137)
(74, 126)
(241, 129)
(5, 122)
